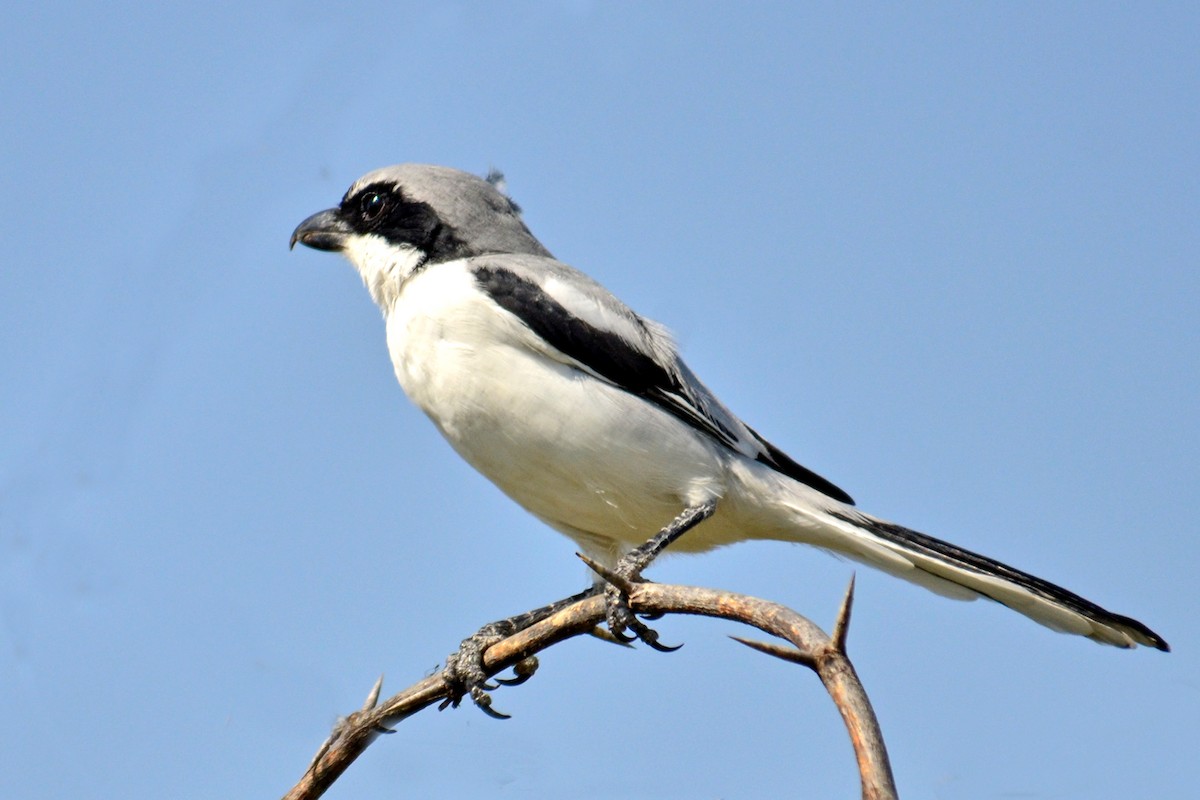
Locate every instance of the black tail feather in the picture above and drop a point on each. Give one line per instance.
(955, 556)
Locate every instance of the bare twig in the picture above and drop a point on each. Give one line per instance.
(810, 646)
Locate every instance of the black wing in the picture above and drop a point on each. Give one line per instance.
(619, 361)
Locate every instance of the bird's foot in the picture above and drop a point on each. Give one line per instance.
(620, 618)
(465, 671)
(466, 675)
(628, 571)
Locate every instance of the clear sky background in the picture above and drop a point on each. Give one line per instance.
(945, 255)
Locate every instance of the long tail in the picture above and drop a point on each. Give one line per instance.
(956, 572)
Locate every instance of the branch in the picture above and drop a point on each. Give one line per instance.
(810, 647)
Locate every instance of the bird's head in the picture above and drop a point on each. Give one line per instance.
(397, 220)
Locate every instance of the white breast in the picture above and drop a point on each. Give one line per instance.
(570, 448)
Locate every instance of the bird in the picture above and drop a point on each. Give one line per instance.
(583, 412)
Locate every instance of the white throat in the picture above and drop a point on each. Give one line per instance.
(383, 266)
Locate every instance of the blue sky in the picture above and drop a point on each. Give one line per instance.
(944, 255)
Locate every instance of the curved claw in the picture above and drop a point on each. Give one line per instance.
(517, 681)
(484, 702)
(663, 648)
(622, 636)
(522, 671)
(650, 637)
(494, 714)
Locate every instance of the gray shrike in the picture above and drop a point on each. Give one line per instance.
(584, 413)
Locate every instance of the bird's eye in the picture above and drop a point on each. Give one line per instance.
(372, 205)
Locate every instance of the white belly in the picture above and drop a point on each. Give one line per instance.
(582, 455)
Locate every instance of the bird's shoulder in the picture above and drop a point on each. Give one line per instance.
(578, 317)
(559, 295)
(575, 320)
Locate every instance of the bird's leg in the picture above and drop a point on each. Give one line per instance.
(464, 668)
(620, 617)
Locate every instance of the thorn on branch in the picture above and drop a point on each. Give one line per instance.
(779, 651)
(373, 695)
(841, 627)
(609, 576)
(604, 634)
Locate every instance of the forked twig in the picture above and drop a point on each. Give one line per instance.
(809, 646)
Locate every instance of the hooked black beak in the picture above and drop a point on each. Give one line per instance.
(325, 230)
